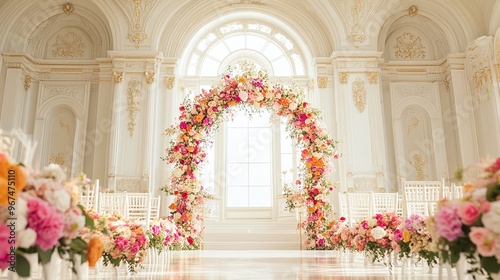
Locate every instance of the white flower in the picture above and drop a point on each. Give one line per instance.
(276, 106)
(378, 232)
(54, 171)
(59, 199)
(292, 106)
(26, 238)
(491, 219)
(178, 172)
(372, 222)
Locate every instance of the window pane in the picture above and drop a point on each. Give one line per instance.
(240, 119)
(261, 174)
(237, 196)
(282, 67)
(237, 174)
(260, 143)
(260, 197)
(272, 52)
(237, 145)
(209, 67)
(219, 51)
(286, 162)
(260, 120)
(236, 42)
(256, 43)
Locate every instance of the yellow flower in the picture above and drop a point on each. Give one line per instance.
(406, 235)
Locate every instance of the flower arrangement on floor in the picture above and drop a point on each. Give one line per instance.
(471, 225)
(162, 235)
(47, 218)
(375, 235)
(339, 235)
(250, 91)
(414, 239)
(128, 243)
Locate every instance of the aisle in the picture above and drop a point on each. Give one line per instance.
(262, 265)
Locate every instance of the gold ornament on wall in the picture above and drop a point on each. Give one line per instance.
(137, 11)
(150, 77)
(27, 82)
(59, 159)
(133, 102)
(409, 46)
(117, 77)
(372, 77)
(413, 124)
(322, 82)
(68, 8)
(169, 82)
(359, 94)
(419, 161)
(68, 45)
(412, 11)
(64, 126)
(343, 77)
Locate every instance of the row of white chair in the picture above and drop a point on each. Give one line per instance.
(140, 207)
(356, 206)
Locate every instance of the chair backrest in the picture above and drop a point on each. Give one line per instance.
(358, 207)
(110, 203)
(89, 195)
(421, 197)
(343, 207)
(154, 210)
(384, 202)
(138, 206)
(457, 191)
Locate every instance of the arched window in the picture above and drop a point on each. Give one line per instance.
(251, 156)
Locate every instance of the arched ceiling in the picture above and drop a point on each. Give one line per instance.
(296, 17)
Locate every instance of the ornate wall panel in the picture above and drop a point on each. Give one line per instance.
(61, 123)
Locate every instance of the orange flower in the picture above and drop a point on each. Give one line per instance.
(190, 149)
(311, 209)
(467, 188)
(94, 251)
(172, 206)
(198, 118)
(242, 80)
(232, 103)
(284, 102)
(10, 176)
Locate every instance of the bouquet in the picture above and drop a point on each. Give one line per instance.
(471, 225)
(414, 239)
(128, 244)
(339, 234)
(162, 234)
(376, 235)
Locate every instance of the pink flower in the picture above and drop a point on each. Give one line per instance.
(46, 221)
(398, 235)
(243, 96)
(448, 224)
(468, 212)
(5, 248)
(484, 241)
(121, 243)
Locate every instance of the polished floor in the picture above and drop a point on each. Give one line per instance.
(263, 265)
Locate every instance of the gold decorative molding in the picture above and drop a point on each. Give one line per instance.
(68, 45)
(27, 82)
(129, 184)
(68, 8)
(137, 33)
(59, 159)
(481, 76)
(133, 103)
(372, 77)
(322, 82)
(419, 161)
(64, 126)
(118, 77)
(359, 94)
(497, 66)
(150, 77)
(343, 77)
(409, 46)
(169, 82)
(356, 14)
(447, 84)
(414, 121)
(365, 183)
(412, 11)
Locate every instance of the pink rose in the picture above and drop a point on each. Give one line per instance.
(243, 96)
(4, 249)
(448, 224)
(468, 212)
(484, 241)
(46, 221)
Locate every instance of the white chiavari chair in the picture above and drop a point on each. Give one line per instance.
(138, 206)
(155, 208)
(89, 195)
(457, 191)
(113, 203)
(358, 207)
(384, 202)
(421, 197)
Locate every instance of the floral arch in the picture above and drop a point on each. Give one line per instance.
(245, 88)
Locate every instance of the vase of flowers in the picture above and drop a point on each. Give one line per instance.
(471, 226)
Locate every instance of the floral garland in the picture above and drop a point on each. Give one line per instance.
(248, 91)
